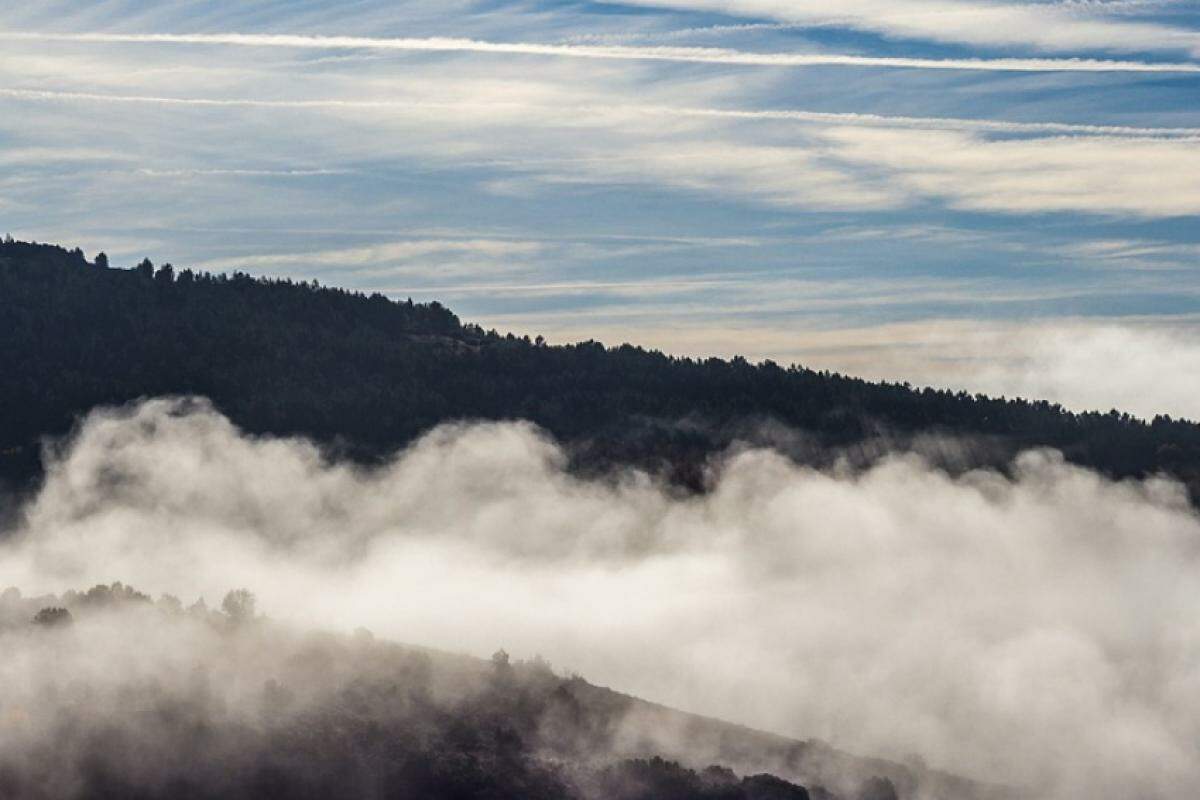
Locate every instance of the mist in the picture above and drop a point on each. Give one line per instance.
(1037, 630)
(1145, 370)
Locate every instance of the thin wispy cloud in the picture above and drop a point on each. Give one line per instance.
(1142, 177)
(831, 161)
(1045, 26)
(774, 115)
(700, 55)
(374, 266)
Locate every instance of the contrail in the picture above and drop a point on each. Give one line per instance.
(782, 115)
(681, 33)
(704, 55)
(945, 123)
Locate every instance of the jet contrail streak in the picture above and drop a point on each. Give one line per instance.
(705, 55)
(781, 115)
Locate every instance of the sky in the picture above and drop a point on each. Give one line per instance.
(998, 196)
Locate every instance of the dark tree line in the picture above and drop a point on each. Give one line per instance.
(365, 375)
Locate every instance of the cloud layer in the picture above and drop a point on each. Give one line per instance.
(1052, 26)
(1038, 631)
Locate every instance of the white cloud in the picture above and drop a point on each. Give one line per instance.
(1048, 26)
(778, 175)
(1143, 177)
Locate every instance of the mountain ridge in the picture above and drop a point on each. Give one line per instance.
(365, 375)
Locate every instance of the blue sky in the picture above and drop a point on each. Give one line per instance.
(1000, 196)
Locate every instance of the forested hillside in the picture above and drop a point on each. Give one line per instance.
(365, 375)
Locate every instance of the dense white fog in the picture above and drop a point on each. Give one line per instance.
(1039, 630)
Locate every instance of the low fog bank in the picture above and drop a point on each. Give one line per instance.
(1038, 630)
(110, 694)
(1145, 370)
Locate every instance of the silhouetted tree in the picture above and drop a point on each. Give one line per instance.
(170, 604)
(502, 670)
(238, 605)
(52, 617)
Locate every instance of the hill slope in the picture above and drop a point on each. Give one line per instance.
(365, 375)
(226, 704)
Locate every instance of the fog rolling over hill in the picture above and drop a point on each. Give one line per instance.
(188, 713)
(898, 592)
(1034, 630)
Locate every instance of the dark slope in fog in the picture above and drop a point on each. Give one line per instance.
(366, 375)
(225, 704)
